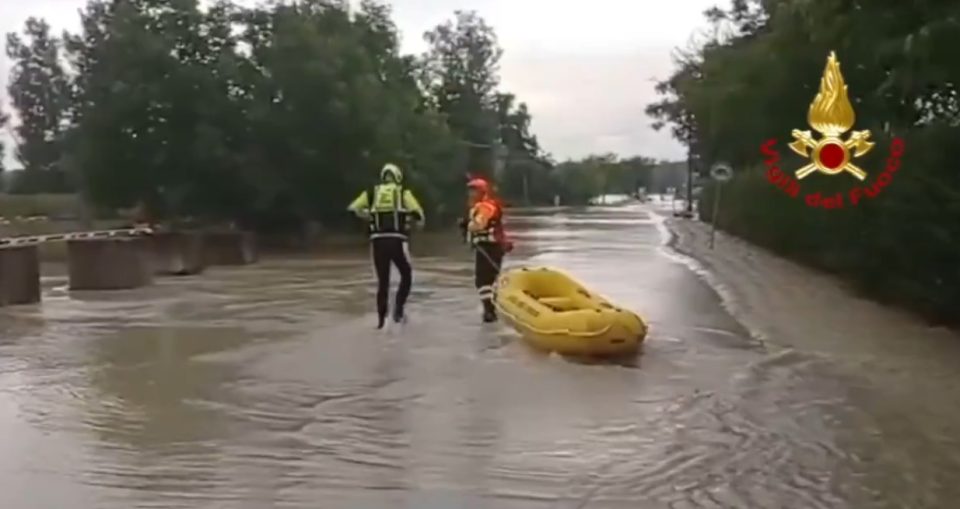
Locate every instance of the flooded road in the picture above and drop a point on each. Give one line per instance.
(267, 386)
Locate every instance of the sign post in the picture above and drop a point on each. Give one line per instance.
(720, 172)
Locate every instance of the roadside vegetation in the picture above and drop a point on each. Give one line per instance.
(753, 76)
(276, 115)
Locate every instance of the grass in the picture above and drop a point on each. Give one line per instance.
(40, 214)
(32, 205)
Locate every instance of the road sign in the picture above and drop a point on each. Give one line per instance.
(500, 153)
(721, 172)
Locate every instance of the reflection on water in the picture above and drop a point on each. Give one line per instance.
(268, 386)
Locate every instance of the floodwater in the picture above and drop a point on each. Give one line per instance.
(267, 386)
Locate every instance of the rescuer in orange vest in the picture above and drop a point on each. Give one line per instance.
(484, 231)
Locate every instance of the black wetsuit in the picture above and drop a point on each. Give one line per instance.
(387, 251)
(487, 261)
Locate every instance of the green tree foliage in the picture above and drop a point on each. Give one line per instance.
(40, 91)
(460, 74)
(160, 116)
(274, 115)
(754, 80)
(527, 177)
(576, 182)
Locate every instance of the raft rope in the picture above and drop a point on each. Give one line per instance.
(487, 256)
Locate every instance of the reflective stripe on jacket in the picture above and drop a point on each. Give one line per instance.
(388, 208)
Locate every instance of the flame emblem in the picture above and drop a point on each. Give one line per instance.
(831, 115)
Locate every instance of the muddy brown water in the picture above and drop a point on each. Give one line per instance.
(267, 386)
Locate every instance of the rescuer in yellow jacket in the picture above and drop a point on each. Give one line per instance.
(389, 209)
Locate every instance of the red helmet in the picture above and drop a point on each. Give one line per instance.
(479, 184)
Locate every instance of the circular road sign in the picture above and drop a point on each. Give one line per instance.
(721, 172)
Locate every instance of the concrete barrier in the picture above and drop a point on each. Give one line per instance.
(178, 253)
(19, 275)
(230, 248)
(118, 263)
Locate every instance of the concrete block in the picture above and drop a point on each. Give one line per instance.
(230, 248)
(178, 253)
(117, 263)
(19, 275)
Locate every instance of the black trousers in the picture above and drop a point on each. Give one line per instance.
(487, 261)
(387, 251)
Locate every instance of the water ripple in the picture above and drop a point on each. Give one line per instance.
(268, 386)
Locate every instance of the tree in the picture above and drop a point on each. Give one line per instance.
(40, 91)
(635, 172)
(461, 75)
(276, 115)
(330, 100)
(513, 121)
(158, 118)
(527, 173)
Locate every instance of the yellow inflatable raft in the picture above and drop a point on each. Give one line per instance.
(555, 313)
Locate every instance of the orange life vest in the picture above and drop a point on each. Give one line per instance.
(493, 233)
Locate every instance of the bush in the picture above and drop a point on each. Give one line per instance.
(899, 247)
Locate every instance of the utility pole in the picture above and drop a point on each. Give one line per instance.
(500, 152)
(689, 181)
(526, 189)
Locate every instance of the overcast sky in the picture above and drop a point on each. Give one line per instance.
(586, 69)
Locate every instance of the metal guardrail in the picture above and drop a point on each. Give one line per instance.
(67, 236)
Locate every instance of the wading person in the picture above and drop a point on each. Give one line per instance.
(484, 231)
(389, 209)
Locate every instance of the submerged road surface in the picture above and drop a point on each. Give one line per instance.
(268, 386)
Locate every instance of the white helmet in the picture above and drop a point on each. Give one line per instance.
(392, 171)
